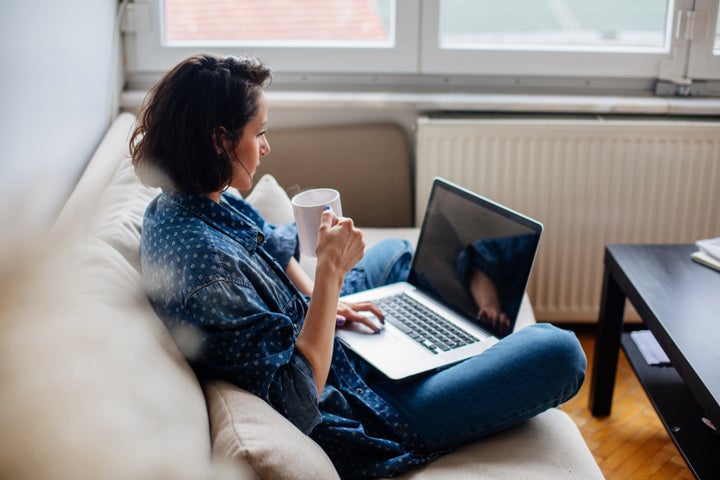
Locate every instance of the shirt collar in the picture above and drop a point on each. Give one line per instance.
(220, 216)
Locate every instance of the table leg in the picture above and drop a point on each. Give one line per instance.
(607, 344)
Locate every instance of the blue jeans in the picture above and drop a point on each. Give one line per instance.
(524, 374)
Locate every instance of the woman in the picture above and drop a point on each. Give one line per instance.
(214, 266)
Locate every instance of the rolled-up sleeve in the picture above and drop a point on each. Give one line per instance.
(243, 341)
(299, 393)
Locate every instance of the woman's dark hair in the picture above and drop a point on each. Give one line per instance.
(179, 128)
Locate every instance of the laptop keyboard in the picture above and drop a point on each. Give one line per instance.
(423, 325)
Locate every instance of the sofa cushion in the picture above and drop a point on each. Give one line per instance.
(93, 387)
(245, 428)
(546, 446)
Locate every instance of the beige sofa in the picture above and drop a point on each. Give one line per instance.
(94, 386)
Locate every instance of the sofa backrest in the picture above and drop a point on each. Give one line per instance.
(368, 164)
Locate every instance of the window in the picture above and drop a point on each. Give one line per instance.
(426, 41)
(563, 25)
(288, 24)
(340, 36)
(565, 38)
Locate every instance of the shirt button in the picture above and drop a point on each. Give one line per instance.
(398, 426)
(359, 390)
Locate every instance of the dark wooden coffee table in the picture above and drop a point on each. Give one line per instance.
(679, 302)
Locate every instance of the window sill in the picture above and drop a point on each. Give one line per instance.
(635, 105)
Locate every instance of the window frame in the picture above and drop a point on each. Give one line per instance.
(146, 51)
(417, 61)
(547, 61)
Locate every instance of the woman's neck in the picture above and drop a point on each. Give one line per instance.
(215, 196)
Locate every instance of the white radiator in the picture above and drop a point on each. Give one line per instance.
(591, 180)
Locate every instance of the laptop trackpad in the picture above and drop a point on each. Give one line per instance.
(390, 351)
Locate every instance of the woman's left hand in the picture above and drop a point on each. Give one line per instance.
(350, 312)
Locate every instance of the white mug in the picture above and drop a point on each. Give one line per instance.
(308, 207)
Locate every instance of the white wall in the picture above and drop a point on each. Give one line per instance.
(56, 87)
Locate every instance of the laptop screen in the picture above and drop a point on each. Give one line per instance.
(475, 256)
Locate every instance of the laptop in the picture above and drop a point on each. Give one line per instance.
(467, 280)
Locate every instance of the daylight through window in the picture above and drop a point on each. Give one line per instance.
(285, 23)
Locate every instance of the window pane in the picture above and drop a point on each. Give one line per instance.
(555, 24)
(283, 23)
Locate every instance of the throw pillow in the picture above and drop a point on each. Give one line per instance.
(246, 429)
(271, 200)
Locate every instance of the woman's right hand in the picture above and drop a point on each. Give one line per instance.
(340, 244)
(339, 247)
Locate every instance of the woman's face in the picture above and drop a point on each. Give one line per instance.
(252, 145)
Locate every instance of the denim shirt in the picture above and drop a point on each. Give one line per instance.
(215, 273)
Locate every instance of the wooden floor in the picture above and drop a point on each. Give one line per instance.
(631, 443)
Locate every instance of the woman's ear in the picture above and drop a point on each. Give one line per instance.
(220, 140)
